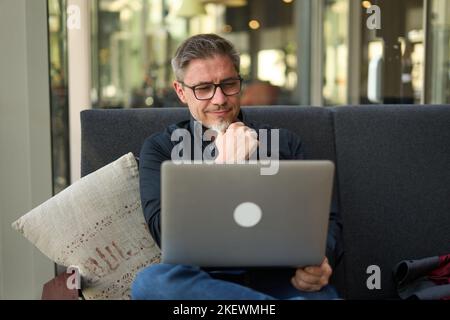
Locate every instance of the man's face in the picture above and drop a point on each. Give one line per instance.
(219, 111)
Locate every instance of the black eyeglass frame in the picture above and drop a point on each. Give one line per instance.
(215, 87)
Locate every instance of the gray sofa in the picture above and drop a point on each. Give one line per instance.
(392, 182)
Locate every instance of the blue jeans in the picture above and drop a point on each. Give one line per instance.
(178, 282)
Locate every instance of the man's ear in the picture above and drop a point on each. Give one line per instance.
(180, 92)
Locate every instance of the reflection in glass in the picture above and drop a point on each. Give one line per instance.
(59, 93)
(439, 55)
(276, 74)
(336, 17)
(134, 40)
(393, 56)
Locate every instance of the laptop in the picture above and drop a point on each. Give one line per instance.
(230, 215)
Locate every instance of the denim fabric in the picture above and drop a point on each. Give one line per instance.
(177, 282)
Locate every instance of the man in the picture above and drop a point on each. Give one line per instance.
(208, 82)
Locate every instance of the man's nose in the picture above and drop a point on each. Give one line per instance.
(219, 98)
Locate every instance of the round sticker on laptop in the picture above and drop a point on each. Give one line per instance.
(247, 214)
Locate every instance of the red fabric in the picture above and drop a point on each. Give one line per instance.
(441, 275)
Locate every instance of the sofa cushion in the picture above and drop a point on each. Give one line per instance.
(97, 226)
(393, 165)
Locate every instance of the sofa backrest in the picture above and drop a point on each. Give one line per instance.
(106, 135)
(393, 167)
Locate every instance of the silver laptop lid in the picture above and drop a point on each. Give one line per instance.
(232, 216)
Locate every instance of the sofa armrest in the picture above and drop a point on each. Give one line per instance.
(56, 289)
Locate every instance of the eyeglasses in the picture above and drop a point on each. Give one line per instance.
(206, 91)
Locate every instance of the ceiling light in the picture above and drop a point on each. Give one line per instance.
(366, 4)
(228, 3)
(254, 24)
(191, 8)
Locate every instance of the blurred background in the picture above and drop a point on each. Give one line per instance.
(293, 52)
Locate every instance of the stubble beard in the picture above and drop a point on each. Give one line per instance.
(221, 126)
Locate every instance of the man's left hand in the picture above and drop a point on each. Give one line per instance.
(312, 278)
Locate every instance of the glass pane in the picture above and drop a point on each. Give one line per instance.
(335, 33)
(59, 93)
(393, 56)
(134, 40)
(118, 47)
(439, 55)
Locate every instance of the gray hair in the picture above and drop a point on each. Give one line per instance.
(202, 46)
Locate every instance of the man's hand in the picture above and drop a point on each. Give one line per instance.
(236, 144)
(312, 278)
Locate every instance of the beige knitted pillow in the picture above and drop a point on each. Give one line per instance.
(96, 225)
